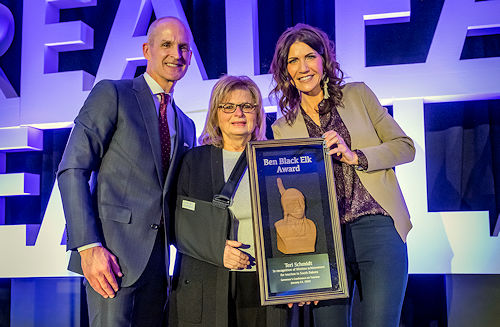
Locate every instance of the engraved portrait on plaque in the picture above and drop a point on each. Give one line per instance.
(295, 232)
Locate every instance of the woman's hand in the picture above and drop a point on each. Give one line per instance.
(340, 150)
(234, 258)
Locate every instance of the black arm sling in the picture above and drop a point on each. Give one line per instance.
(201, 227)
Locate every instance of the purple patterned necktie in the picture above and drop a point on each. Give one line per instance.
(164, 133)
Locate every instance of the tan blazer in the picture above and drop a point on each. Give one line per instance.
(383, 142)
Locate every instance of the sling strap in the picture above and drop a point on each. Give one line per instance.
(223, 199)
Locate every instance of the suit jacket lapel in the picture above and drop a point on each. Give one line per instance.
(147, 107)
(179, 138)
(178, 148)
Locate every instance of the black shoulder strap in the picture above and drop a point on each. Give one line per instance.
(223, 199)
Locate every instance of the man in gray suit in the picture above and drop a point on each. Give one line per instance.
(127, 141)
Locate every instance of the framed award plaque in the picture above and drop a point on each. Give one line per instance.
(298, 242)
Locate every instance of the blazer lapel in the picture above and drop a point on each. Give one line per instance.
(298, 128)
(147, 107)
(349, 114)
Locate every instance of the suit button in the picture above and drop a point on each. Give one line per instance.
(154, 226)
(187, 281)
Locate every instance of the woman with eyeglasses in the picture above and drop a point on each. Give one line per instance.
(224, 292)
(365, 143)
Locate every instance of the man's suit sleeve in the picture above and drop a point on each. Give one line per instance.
(87, 144)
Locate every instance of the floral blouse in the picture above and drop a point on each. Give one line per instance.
(353, 199)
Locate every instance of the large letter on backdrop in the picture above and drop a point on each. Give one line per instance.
(440, 242)
(6, 36)
(9, 102)
(43, 87)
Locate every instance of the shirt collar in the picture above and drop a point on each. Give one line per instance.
(154, 86)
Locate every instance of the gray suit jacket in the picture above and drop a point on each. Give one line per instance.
(383, 142)
(115, 143)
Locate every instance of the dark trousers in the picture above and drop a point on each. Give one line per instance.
(141, 304)
(244, 303)
(377, 261)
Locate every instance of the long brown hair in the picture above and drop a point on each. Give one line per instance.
(226, 84)
(284, 91)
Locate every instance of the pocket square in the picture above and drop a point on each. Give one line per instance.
(186, 145)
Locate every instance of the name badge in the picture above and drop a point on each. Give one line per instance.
(190, 205)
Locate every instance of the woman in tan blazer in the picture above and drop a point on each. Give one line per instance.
(366, 143)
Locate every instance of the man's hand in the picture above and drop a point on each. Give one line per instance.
(100, 268)
(301, 304)
(234, 258)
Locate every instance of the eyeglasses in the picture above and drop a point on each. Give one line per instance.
(229, 108)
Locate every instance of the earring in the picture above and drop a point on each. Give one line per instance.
(326, 95)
